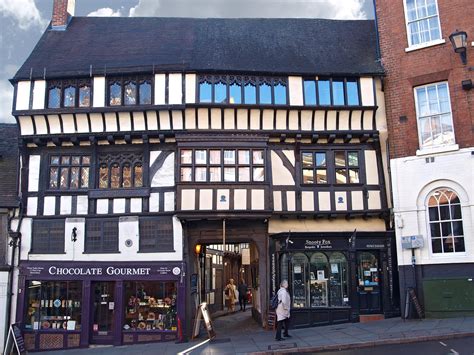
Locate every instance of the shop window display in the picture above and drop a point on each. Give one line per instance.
(150, 306)
(318, 279)
(54, 305)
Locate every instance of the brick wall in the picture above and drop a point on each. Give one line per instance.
(60, 14)
(437, 63)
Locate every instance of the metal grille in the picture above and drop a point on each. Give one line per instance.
(101, 236)
(156, 234)
(48, 237)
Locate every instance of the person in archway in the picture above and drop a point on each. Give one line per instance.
(242, 295)
(283, 311)
(230, 295)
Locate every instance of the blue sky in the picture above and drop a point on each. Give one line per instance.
(23, 21)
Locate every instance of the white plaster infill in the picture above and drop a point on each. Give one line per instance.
(436, 150)
(425, 45)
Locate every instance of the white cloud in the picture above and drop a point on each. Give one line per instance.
(23, 12)
(332, 9)
(106, 12)
(6, 93)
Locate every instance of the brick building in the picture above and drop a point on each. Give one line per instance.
(430, 115)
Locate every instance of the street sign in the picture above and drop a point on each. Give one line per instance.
(412, 242)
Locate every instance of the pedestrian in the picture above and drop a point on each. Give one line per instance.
(242, 295)
(283, 311)
(230, 295)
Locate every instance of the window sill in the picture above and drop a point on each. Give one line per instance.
(101, 252)
(435, 150)
(45, 253)
(425, 45)
(156, 251)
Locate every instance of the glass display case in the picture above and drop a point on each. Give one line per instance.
(54, 305)
(150, 306)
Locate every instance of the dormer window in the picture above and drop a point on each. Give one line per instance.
(331, 92)
(69, 93)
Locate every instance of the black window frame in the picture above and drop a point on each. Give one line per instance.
(109, 159)
(62, 85)
(51, 245)
(104, 240)
(242, 81)
(69, 166)
(222, 165)
(122, 81)
(331, 166)
(150, 231)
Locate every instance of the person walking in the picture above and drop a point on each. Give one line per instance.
(230, 295)
(283, 311)
(242, 295)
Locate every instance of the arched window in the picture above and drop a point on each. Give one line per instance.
(280, 94)
(338, 289)
(220, 93)
(145, 93)
(445, 222)
(115, 94)
(205, 92)
(250, 95)
(235, 90)
(54, 97)
(265, 92)
(130, 93)
(84, 96)
(69, 96)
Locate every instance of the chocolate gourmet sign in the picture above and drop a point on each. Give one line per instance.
(99, 271)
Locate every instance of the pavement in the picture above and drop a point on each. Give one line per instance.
(237, 333)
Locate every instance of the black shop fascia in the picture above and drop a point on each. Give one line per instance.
(336, 277)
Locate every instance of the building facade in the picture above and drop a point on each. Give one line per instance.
(8, 208)
(161, 134)
(429, 104)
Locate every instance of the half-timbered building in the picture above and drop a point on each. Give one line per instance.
(144, 137)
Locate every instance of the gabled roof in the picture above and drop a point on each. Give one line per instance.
(272, 46)
(8, 165)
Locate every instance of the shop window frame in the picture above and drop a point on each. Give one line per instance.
(53, 245)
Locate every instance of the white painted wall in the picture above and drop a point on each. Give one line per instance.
(33, 173)
(23, 95)
(175, 89)
(39, 93)
(99, 91)
(3, 305)
(160, 88)
(295, 87)
(413, 180)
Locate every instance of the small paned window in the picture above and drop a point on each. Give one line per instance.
(224, 89)
(445, 222)
(101, 236)
(130, 91)
(352, 90)
(422, 21)
(156, 234)
(69, 93)
(69, 171)
(324, 92)
(318, 167)
(222, 165)
(120, 171)
(433, 110)
(338, 92)
(47, 237)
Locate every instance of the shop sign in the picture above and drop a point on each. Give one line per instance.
(317, 244)
(101, 271)
(369, 244)
(245, 256)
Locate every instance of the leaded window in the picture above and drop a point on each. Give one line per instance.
(120, 171)
(445, 222)
(69, 93)
(101, 236)
(433, 110)
(69, 171)
(47, 237)
(422, 21)
(331, 91)
(130, 91)
(230, 89)
(156, 234)
(222, 165)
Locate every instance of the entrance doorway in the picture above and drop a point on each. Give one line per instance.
(369, 282)
(103, 296)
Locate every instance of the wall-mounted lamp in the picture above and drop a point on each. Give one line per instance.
(197, 249)
(459, 41)
(74, 235)
(466, 84)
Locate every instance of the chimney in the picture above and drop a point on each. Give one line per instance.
(63, 10)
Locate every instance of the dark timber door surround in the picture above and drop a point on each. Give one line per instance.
(369, 282)
(103, 312)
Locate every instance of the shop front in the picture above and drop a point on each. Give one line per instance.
(336, 277)
(69, 305)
